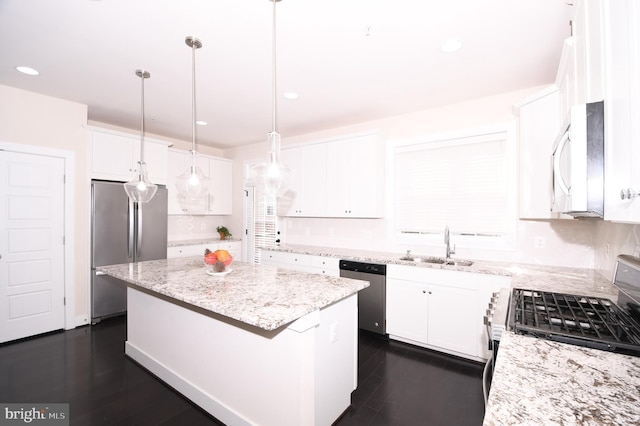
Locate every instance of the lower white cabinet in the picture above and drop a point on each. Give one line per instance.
(440, 309)
(302, 262)
(233, 247)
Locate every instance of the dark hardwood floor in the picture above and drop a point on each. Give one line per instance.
(86, 367)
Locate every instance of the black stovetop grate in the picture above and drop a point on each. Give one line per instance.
(580, 320)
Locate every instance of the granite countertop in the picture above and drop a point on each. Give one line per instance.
(541, 382)
(551, 278)
(212, 240)
(258, 295)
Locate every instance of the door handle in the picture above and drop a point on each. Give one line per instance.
(130, 230)
(557, 173)
(139, 237)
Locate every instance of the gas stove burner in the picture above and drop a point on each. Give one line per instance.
(579, 320)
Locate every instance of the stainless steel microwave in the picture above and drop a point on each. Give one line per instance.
(578, 163)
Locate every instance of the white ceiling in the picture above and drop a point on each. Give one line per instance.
(87, 51)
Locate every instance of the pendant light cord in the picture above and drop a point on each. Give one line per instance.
(193, 107)
(142, 77)
(274, 105)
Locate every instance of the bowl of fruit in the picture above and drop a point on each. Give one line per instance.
(217, 262)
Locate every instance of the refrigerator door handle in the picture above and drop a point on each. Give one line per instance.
(139, 236)
(130, 230)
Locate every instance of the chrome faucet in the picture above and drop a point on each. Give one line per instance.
(449, 251)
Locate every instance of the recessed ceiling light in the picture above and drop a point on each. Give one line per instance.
(27, 70)
(201, 123)
(290, 95)
(451, 45)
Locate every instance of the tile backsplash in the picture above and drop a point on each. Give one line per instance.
(185, 227)
(611, 240)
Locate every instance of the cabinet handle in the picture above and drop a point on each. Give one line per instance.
(629, 194)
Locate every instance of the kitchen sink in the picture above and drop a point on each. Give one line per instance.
(437, 260)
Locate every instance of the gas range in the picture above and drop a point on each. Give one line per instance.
(578, 320)
(583, 320)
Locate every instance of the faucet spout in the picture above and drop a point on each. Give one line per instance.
(448, 251)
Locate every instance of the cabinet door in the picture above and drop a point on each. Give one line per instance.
(407, 304)
(291, 203)
(622, 109)
(156, 157)
(307, 193)
(566, 77)
(112, 157)
(178, 161)
(220, 199)
(451, 319)
(355, 177)
(539, 125)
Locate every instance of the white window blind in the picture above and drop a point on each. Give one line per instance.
(460, 183)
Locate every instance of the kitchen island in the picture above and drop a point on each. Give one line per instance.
(260, 345)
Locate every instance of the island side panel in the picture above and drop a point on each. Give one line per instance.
(240, 374)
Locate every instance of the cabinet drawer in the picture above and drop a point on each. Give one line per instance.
(325, 262)
(191, 250)
(467, 280)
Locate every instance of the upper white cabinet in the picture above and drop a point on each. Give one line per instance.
(566, 77)
(337, 178)
(355, 177)
(115, 156)
(219, 170)
(539, 125)
(307, 194)
(621, 35)
(588, 50)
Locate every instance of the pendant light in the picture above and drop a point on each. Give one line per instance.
(193, 184)
(273, 174)
(140, 189)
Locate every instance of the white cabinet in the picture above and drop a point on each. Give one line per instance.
(440, 309)
(588, 50)
(233, 247)
(539, 126)
(621, 29)
(566, 77)
(219, 170)
(115, 156)
(307, 194)
(301, 262)
(355, 177)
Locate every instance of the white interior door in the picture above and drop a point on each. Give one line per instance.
(31, 245)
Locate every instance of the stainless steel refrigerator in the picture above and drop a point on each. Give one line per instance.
(122, 232)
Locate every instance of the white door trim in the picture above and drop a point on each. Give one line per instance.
(69, 236)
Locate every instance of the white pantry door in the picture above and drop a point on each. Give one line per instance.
(31, 245)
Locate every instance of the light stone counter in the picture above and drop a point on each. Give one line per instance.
(213, 240)
(541, 382)
(528, 276)
(258, 295)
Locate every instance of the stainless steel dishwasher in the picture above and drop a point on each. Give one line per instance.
(372, 306)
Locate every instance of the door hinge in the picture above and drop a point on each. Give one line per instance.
(64, 301)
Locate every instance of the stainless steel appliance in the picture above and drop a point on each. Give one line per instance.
(122, 232)
(588, 321)
(372, 305)
(578, 163)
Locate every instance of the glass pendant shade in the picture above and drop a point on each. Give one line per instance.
(274, 177)
(140, 189)
(193, 184)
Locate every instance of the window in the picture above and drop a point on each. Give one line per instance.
(465, 181)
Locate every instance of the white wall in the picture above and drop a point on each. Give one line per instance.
(567, 242)
(33, 119)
